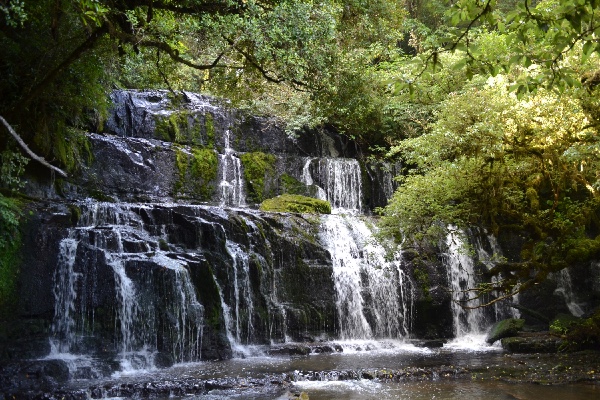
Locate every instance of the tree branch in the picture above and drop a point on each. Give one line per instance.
(86, 45)
(31, 154)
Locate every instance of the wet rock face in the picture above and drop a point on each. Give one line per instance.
(194, 119)
(432, 318)
(275, 282)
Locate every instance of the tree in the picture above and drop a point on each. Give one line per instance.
(540, 35)
(61, 57)
(509, 165)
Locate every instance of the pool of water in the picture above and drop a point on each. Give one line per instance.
(318, 375)
(444, 390)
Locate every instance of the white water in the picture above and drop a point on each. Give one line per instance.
(338, 181)
(469, 325)
(232, 182)
(564, 287)
(502, 309)
(65, 294)
(244, 306)
(361, 271)
(105, 228)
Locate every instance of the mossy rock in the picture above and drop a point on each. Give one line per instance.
(505, 328)
(296, 204)
(259, 171)
(543, 344)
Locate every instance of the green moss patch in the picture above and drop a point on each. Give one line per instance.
(185, 127)
(297, 204)
(197, 173)
(291, 185)
(259, 170)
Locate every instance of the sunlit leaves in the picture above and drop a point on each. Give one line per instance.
(491, 159)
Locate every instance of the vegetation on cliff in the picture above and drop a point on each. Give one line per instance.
(10, 247)
(296, 204)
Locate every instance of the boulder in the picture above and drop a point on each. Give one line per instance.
(505, 328)
(532, 343)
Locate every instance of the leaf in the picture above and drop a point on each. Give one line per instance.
(515, 59)
(588, 49)
(460, 64)
(469, 73)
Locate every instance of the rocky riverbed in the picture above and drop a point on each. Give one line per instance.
(276, 377)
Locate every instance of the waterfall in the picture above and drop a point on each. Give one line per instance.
(232, 181)
(244, 308)
(461, 277)
(374, 298)
(373, 295)
(307, 179)
(338, 180)
(152, 292)
(65, 293)
(564, 287)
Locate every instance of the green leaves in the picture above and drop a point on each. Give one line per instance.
(14, 13)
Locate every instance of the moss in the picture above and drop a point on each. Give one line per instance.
(197, 172)
(179, 127)
(72, 148)
(422, 278)
(297, 204)
(163, 245)
(209, 125)
(259, 169)
(289, 184)
(100, 196)
(208, 294)
(505, 328)
(75, 213)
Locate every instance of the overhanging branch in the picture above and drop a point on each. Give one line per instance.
(29, 152)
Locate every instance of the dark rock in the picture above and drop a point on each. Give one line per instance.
(430, 344)
(290, 350)
(505, 328)
(532, 343)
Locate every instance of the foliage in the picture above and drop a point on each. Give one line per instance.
(539, 37)
(11, 169)
(579, 334)
(495, 161)
(9, 250)
(297, 204)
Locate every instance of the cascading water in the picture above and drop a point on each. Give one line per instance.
(242, 293)
(502, 310)
(232, 182)
(140, 272)
(340, 181)
(564, 287)
(65, 294)
(374, 296)
(468, 323)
